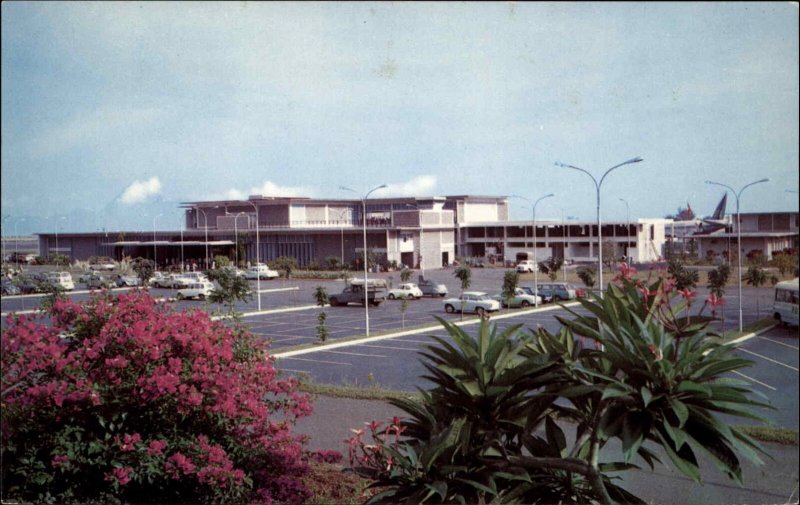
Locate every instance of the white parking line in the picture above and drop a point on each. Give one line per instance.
(361, 341)
(358, 354)
(81, 292)
(780, 343)
(390, 347)
(323, 361)
(265, 312)
(275, 290)
(769, 359)
(755, 380)
(31, 311)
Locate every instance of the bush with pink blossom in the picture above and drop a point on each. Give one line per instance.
(122, 399)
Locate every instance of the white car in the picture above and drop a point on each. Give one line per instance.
(432, 288)
(196, 276)
(408, 291)
(178, 281)
(521, 298)
(159, 280)
(103, 265)
(62, 280)
(526, 266)
(199, 290)
(261, 271)
(471, 301)
(127, 281)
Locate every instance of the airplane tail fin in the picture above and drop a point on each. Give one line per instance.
(719, 212)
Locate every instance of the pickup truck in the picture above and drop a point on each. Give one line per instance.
(354, 293)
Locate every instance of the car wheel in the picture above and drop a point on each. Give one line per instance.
(442, 295)
(449, 308)
(179, 296)
(201, 296)
(391, 296)
(480, 311)
(334, 302)
(525, 304)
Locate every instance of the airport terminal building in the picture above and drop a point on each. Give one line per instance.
(413, 231)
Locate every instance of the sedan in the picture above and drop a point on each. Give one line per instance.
(408, 291)
(520, 299)
(97, 281)
(128, 280)
(431, 288)
(471, 301)
(8, 288)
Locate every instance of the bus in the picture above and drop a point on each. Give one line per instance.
(785, 306)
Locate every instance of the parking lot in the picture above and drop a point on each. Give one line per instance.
(290, 319)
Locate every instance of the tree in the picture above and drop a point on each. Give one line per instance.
(321, 297)
(58, 259)
(785, 263)
(586, 275)
(718, 279)
(230, 288)
(755, 276)
(464, 274)
(551, 266)
(683, 277)
(221, 261)
(144, 269)
(285, 264)
(121, 399)
(403, 309)
(405, 275)
(510, 282)
(491, 428)
(609, 253)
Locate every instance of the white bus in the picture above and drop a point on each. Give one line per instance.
(785, 306)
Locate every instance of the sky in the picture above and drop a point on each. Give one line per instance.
(114, 113)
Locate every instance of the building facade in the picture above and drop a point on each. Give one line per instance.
(417, 232)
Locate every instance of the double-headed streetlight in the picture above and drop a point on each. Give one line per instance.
(366, 256)
(155, 251)
(597, 186)
(535, 261)
(236, 234)
(738, 235)
(627, 227)
(258, 261)
(182, 223)
(16, 241)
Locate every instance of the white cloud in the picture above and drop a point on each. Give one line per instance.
(422, 185)
(267, 188)
(138, 191)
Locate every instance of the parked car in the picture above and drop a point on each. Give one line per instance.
(521, 298)
(97, 281)
(199, 290)
(472, 301)
(261, 271)
(431, 288)
(526, 266)
(178, 281)
(8, 288)
(103, 264)
(408, 290)
(354, 293)
(30, 284)
(544, 297)
(160, 280)
(558, 291)
(127, 281)
(62, 280)
(83, 277)
(196, 276)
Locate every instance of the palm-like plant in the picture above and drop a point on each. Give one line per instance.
(489, 429)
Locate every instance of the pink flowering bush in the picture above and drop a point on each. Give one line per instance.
(122, 399)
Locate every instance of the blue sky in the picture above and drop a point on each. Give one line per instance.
(114, 112)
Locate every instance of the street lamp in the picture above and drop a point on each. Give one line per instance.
(341, 230)
(236, 234)
(3, 242)
(628, 228)
(16, 241)
(364, 226)
(597, 186)
(535, 262)
(738, 235)
(182, 223)
(60, 218)
(258, 262)
(155, 252)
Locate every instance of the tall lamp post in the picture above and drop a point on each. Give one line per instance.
(421, 258)
(597, 186)
(738, 235)
(364, 226)
(628, 228)
(535, 262)
(182, 259)
(236, 235)
(341, 231)
(3, 242)
(258, 261)
(205, 221)
(16, 241)
(60, 218)
(155, 251)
